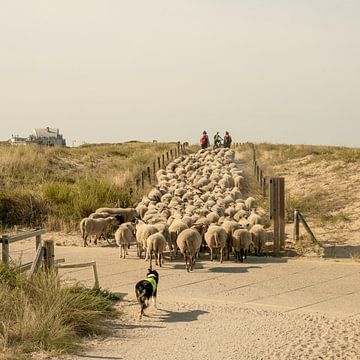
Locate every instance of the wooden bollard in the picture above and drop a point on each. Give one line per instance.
(5, 249)
(167, 156)
(163, 160)
(159, 164)
(154, 169)
(171, 154)
(49, 254)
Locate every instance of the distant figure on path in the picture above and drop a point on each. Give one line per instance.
(204, 140)
(227, 139)
(217, 140)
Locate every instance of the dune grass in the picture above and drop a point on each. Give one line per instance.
(45, 315)
(56, 187)
(320, 205)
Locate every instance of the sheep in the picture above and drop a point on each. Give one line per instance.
(141, 210)
(96, 227)
(241, 239)
(100, 215)
(230, 226)
(156, 244)
(123, 237)
(129, 214)
(250, 203)
(255, 218)
(175, 229)
(258, 235)
(143, 231)
(188, 242)
(215, 237)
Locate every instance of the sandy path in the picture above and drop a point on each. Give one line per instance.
(263, 309)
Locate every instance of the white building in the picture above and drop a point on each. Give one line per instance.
(47, 136)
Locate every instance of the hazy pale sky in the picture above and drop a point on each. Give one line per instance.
(281, 71)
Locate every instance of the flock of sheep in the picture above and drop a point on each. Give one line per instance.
(196, 204)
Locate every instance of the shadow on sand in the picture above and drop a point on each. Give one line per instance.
(180, 316)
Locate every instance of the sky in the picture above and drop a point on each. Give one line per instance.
(278, 71)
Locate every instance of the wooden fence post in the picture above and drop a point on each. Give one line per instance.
(35, 266)
(167, 156)
(171, 154)
(255, 166)
(264, 185)
(38, 240)
(307, 227)
(277, 211)
(154, 170)
(49, 254)
(149, 174)
(163, 160)
(96, 277)
(296, 226)
(159, 164)
(5, 249)
(142, 179)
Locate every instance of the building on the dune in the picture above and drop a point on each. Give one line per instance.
(41, 136)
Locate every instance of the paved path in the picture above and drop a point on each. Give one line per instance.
(287, 285)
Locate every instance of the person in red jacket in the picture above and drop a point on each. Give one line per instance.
(227, 139)
(204, 140)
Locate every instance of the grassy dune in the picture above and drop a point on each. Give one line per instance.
(46, 316)
(323, 182)
(56, 187)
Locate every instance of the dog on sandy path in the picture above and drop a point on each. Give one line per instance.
(147, 289)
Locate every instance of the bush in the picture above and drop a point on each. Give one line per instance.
(45, 315)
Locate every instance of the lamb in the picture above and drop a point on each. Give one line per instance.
(129, 214)
(188, 242)
(156, 245)
(123, 237)
(96, 227)
(258, 235)
(241, 239)
(215, 238)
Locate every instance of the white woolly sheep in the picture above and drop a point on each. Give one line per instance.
(156, 244)
(215, 238)
(96, 227)
(241, 239)
(189, 242)
(123, 237)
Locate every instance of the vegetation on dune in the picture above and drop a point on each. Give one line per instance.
(46, 315)
(56, 187)
(320, 204)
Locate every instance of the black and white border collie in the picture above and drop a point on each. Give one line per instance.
(147, 289)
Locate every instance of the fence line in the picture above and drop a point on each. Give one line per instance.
(6, 240)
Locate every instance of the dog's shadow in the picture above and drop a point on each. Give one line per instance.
(168, 316)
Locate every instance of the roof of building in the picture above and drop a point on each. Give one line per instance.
(46, 132)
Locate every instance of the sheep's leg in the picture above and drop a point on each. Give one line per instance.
(85, 240)
(123, 247)
(245, 254)
(120, 252)
(211, 254)
(156, 258)
(151, 260)
(221, 254)
(241, 255)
